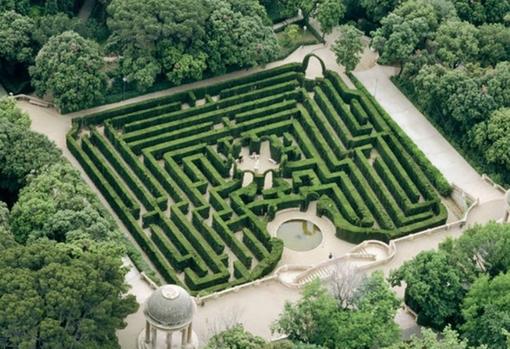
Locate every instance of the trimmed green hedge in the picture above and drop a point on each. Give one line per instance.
(437, 178)
(168, 168)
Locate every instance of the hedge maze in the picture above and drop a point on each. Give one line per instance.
(167, 167)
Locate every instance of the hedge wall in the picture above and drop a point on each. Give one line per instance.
(170, 169)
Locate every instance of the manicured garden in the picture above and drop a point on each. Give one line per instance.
(165, 167)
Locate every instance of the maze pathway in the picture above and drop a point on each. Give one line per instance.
(168, 168)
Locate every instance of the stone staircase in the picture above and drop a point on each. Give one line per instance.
(322, 271)
(361, 256)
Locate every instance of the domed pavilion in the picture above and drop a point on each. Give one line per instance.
(169, 310)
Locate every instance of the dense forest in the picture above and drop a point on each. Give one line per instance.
(129, 45)
(62, 284)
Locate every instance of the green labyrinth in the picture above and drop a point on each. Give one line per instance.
(167, 167)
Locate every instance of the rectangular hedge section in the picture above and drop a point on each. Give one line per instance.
(168, 169)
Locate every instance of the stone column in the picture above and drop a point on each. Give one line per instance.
(190, 331)
(507, 211)
(183, 339)
(169, 340)
(154, 339)
(147, 332)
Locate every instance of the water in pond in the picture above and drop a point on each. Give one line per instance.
(300, 235)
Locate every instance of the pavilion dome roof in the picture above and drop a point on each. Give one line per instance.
(170, 306)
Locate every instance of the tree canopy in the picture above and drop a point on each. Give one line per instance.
(184, 39)
(19, 6)
(50, 25)
(378, 9)
(6, 238)
(15, 37)
(456, 43)
(237, 38)
(348, 47)
(479, 12)
(319, 318)
(486, 310)
(329, 13)
(235, 338)
(143, 25)
(493, 138)
(481, 249)
(16, 163)
(494, 44)
(54, 6)
(9, 111)
(60, 206)
(70, 68)
(406, 29)
(448, 339)
(56, 295)
(461, 284)
(458, 94)
(434, 288)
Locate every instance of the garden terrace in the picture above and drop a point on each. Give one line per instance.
(168, 169)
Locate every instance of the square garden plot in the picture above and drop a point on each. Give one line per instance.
(167, 167)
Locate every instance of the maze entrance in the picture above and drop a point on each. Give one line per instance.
(168, 167)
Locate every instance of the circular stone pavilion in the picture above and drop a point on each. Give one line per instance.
(168, 310)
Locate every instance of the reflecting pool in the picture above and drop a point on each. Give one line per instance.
(299, 235)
